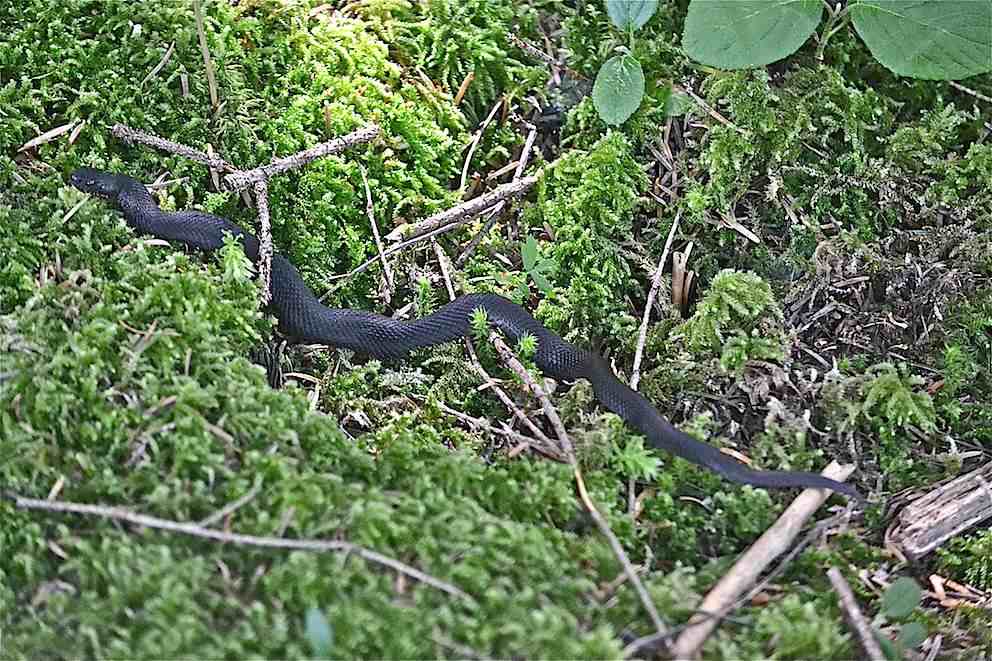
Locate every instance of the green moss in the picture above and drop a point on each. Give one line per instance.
(968, 559)
(787, 629)
(738, 320)
(589, 199)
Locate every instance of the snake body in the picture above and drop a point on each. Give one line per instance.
(302, 316)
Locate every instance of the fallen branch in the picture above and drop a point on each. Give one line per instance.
(195, 530)
(131, 136)
(855, 618)
(264, 240)
(461, 213)
(946, 511)
(752, 562)
(239, 180)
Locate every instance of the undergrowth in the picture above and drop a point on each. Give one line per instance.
(854, 323)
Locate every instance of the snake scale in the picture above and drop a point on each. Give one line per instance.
(302, 316)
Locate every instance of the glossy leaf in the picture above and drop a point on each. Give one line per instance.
(737, 34)
(619, 89)
(943, 40)
(901, 598)
(633, 13)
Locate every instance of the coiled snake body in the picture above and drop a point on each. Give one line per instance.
(302, 316)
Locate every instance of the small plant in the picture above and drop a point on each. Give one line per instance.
(899, 600)
(971, 558)
(536, 265)
(738, 319)
(890, 398)
(951, 38)
(619, 87)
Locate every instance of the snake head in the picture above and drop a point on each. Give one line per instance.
(96, 182)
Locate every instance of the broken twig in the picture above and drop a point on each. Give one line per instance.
(195, 530)
(239, 180)
(863, 631)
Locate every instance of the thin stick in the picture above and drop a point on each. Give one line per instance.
(370, 212)
(231, 507)
(549, 410)
(161, 63)
(464, 87)
(967, 90)
(642, 335)
(205, 51)
(482, 423)
(264, 240)
(48, 136)
(711, 112)
(398, 247)
(194, 530)
(494, 213)
(752, 562)
(131, 136)
(855, 618)
(239, 180)
(465, 211)
(566, 443)
(476, 139)
(477, 239)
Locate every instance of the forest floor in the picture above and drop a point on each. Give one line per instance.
(836, 221)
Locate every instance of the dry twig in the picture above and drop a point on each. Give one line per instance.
(476, 139)
(855, 618)
(461, 213)
(264, 240)
(195, 530)
(48, 136)
(131, 136)
(752, 562)
(205, 51)
(231, 507)
(967, 90)
(161, 63)
(495, 211)
(239, 180)
(655, 284)
(370, 212)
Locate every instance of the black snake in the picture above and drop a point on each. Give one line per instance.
(303, 317)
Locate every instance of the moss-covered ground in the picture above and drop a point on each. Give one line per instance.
(857, 327)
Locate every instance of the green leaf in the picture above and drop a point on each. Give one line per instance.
(678, 104)
(888, 647)
(912, 635)
(633, 13)
(901, 598)
(542, 282)
(737, 34)
(318, 632)
(943, 40)
(619, 89)
(529, 253)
